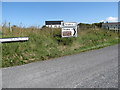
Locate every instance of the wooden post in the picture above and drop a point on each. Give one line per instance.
(51, 30)
(10, 27)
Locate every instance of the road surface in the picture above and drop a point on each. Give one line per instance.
(91, 69)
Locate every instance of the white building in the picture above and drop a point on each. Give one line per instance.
(111, 26)
(54, 24)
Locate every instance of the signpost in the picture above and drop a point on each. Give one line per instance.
(69, 29)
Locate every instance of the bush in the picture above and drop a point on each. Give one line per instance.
(65, 41)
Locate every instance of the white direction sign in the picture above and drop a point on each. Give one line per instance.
(69, 29)
(67, 32)
(70, 24)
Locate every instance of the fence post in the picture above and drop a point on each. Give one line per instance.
(10, 27)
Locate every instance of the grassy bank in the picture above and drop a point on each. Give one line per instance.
(47, 43)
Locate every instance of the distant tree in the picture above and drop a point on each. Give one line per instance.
(43, 26)
(99, 25)
(84, 26)
(14, 26)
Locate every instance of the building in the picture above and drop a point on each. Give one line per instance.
(111, 26)
(54, 24)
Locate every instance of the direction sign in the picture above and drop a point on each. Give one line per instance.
(69, 29)
(70, 24)
(67, 32)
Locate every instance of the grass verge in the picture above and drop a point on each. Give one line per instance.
(47, 43)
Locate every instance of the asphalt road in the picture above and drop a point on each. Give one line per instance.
(91, 69)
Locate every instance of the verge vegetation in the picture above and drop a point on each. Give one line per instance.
(46, 43)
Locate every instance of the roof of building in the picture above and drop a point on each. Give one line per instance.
(53, 22)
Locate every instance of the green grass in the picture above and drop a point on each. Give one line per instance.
(47, 43)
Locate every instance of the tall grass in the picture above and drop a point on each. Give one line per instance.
(47, 43)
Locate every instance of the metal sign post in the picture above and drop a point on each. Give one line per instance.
(69, 29)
